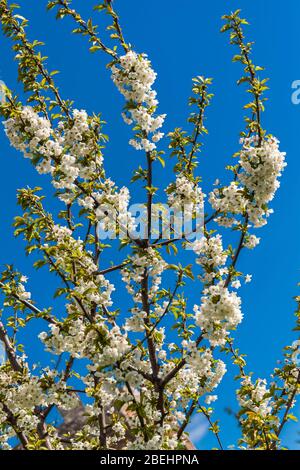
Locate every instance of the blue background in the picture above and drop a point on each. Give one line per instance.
(183, 40)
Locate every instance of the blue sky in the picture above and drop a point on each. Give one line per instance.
(183, 40)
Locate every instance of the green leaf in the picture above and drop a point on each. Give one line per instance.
(95, 48)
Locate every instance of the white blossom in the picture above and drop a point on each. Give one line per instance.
(134, 78)
(219, 312)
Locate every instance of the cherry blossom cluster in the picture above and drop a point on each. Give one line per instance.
(102, 345)
(69, 152)
(134, 78)
(211, 257)
(260, 167)
(112, 208)
(32, 393)
(15, 287)
(148, 260)
(21, 291)
(184, 192)
(290, 375)
(219, 312)
(220, 309)
(228, 201)
(251, 241)
(255, 397)
(200, 376)
(90, 285)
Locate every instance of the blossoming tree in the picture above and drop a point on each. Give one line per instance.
(143, 374)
